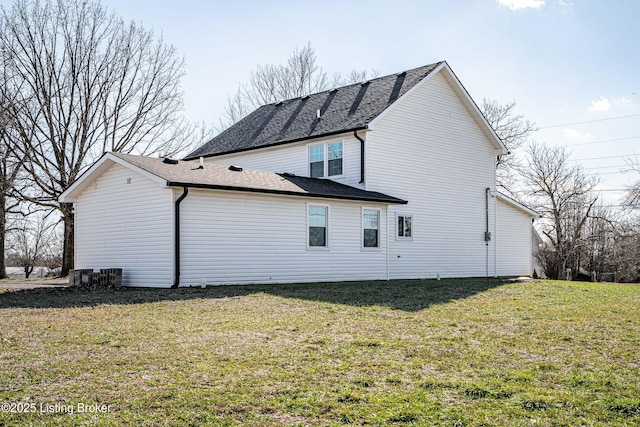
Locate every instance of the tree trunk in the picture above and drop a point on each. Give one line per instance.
(3, 235)
(68, 248)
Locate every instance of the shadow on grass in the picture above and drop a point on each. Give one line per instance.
(408, 295)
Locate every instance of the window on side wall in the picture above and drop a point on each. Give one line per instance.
(371, 228)
(405, 227)
(318, 226)
(333, 152)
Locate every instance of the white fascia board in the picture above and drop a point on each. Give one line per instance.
(97, 169)
(509, 201)
(501, 149)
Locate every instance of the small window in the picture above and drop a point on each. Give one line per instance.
(318, 226)
(405, 226)
(333, 152)
(370, 228)
(316, 161)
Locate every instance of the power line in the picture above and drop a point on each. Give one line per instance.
(610, 173)
(605, 157)
(606, 167)
(602, 141)
(613, 206)
(588, 121)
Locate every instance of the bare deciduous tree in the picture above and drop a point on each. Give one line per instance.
(625, 255)
(514, 130)
(10, 168)
(563, 195)
(31, 241)
(633, 195)
(86, 82)
(300, 76)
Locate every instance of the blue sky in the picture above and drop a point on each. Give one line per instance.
(562, 61)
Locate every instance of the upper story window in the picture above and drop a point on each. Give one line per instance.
(370, 228)
(316, 161)
(333, 152)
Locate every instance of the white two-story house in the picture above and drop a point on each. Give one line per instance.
(389, 178)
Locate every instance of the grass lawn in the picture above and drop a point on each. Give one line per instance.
(449, 352)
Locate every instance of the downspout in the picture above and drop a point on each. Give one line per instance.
(387, 232)
(176, 237)
(497, 235)
(355, 133)
(487, 233)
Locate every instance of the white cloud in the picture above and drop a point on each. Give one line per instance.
(601, 104)
(575, 134)
(522, 4)
(565, 4)
(623, 100)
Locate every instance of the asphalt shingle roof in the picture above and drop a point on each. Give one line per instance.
(343, 109)
(188, 173)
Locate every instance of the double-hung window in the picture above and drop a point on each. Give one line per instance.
(371, 228)
(316, 161)
(405, 227)
(318, 226)
(333, 153)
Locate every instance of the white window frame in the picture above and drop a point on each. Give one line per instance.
(325, 151)
(308, 212)
(398, 237)
(362, 212)
(324, 159)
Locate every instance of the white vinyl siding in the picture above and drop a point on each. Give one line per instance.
(126, 225)
(429, 150)
(294, 158)
(238, 238)
(513, 240)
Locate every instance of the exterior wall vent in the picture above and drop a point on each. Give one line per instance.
(170, 161)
